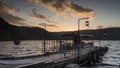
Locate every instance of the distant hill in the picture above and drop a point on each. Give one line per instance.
(103, 34)
(11, 32)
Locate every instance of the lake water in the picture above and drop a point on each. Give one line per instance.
(26, 48)
(110, 60)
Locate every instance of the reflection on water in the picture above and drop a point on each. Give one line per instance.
(28, 48)
(110, 60)
(25, 48)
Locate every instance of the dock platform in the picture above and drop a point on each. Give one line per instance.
(57, 60)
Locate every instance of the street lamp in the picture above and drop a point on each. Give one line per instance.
(44, 41)
(87, 24)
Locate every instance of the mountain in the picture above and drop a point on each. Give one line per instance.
(102, 34)
(12, 32)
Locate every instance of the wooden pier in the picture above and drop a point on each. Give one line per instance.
(58, 60)
(68, 52)
(86, 57)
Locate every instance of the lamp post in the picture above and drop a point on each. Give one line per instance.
(44, 41)
(101, 34)
(87, 24)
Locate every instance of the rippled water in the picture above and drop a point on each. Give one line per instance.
(110, 60)
(26, 48)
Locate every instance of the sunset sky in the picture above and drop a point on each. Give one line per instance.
(61, 15)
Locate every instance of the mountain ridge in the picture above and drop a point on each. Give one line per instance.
(11, 32)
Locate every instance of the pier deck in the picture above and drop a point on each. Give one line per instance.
(48, 60)
(43, 59)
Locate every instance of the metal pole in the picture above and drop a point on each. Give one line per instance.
(78, 39)
(79, 47)
(100, 31)
(44, 40)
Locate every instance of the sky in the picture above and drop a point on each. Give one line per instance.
(61, 15)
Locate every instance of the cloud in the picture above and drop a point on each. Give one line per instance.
(35, 15)
(78, 8)
(17, 21)
(33, 1)
(62, 7)
(6, 8)
(14, 20)
(99, 27)
(6, 12)
(50, 26)
(53, 25)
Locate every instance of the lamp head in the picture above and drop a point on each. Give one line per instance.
(87, 23)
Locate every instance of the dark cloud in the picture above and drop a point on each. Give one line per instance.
(58, 5)
(78, 8)
(39, 16)
(33, 1)
(61, 7)
(6, 12)
(35, 15)
(6, 8)
(14, 20)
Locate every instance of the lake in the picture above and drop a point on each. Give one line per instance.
(112, 58)
(26, 48)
